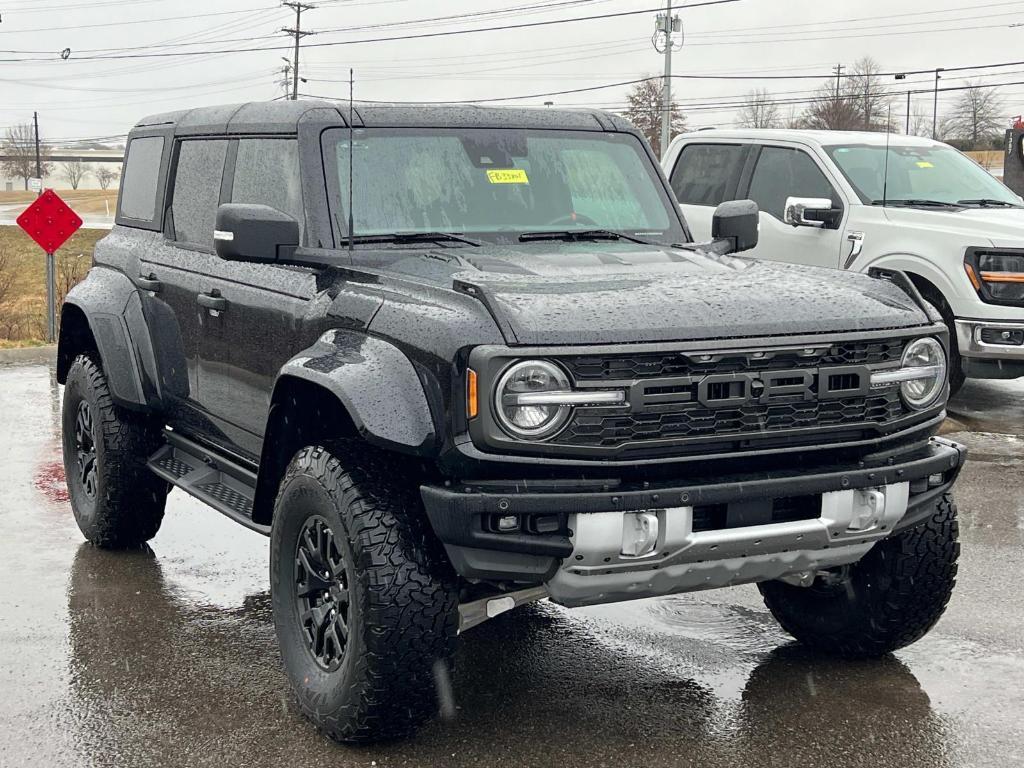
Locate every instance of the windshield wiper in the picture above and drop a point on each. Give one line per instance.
(402, 238)
(914, 202)
(581, 234)
(988, 202)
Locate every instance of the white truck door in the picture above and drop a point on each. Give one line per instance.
(703, 175)
(781, 173)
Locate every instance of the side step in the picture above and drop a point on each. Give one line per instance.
(213, 479)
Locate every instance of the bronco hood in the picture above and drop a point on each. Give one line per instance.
(596, 293)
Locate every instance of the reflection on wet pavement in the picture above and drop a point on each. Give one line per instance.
(167, 656)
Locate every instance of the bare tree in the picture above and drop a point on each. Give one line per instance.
(105, 176)
(645, 110)
(759, 110)
(920, 123)
(73, 171)
(19, 150)
(6, 274)
(71, 269)
(976, 117)
(858, 102)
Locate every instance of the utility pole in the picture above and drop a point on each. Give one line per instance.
(903, 76)
(298, 34)
(666, 24)
(935, 105)
(838, 69)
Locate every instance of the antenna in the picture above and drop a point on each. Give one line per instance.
(351, 167)
(885, 173)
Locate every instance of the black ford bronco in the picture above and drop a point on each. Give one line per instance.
(453, 360)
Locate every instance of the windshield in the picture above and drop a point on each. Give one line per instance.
(937, 173)
(497, 184)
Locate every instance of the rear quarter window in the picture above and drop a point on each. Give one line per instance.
(707, 174)
(139, 184)
(197, 182)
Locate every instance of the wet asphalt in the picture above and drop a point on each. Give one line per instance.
(167, 657)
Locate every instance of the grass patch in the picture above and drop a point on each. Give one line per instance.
(23, 306)
(84, 202)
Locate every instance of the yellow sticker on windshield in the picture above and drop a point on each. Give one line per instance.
(924, 164)
(507, 176)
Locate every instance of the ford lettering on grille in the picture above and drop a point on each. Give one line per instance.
(732, 390)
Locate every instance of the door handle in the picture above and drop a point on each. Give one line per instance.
(213, 301)
(149, 283)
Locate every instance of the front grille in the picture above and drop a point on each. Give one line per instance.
(661, 364)
(809, 389)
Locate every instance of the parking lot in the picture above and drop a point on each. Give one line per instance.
(168, 657)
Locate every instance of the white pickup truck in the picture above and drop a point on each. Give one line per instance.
(855, 201)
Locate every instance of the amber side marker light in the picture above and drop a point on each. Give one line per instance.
(472, 404)
(969, 268)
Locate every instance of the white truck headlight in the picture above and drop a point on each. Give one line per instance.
(921, 376)
(534, 398)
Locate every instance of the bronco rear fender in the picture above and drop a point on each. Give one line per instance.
(103, 314)
(376, 383)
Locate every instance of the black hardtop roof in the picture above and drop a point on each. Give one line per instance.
(284, 117)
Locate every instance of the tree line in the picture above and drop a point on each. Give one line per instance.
(18, 147)
(861, 100)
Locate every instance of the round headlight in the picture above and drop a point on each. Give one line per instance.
(927, 356)
(516, 414)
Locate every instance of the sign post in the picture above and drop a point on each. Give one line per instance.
(50, 222)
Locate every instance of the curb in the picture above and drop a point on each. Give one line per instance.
(28, 355)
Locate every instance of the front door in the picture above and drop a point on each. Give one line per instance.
(778, 174)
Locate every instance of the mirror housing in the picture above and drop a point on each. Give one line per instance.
(812, 212)
(736, 223)
(258, 233)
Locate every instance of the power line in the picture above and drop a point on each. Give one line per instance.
(419, 36)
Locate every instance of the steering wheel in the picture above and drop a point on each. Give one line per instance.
(573, 218)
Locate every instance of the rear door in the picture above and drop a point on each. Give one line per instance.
(778, 173)
(703, 175)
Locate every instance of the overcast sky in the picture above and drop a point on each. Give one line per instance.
(80, 98)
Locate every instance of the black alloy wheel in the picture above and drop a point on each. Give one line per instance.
(322, 592)
(85, 449)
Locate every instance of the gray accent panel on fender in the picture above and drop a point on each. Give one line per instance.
(376, 383)
(103, 298)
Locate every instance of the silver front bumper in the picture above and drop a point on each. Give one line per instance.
(685, 561)
(968, 334)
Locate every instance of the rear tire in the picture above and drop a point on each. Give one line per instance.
(890, 599)
(365, 602)
(117, 501)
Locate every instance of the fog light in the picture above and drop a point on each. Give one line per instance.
(935, 480)
(639, 533)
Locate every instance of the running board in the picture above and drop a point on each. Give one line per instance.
(215, 480)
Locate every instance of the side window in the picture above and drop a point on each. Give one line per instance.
(197, 184)
(141, 176)
(267, 172)
(707, 174)
(782, 173)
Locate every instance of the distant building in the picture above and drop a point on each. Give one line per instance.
(92, 159)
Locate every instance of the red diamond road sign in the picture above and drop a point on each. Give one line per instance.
(49, 221)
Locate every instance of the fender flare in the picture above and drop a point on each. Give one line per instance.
(376, 383)
(911, 264)
(108, 301)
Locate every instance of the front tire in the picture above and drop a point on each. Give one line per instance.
(888, 600)
(118, 503)
(365, 603)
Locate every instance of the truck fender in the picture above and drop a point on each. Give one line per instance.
(375, 382)
(911, 264)
(96, 314)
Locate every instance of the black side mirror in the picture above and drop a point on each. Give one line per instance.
(737, 222)
(246, 232)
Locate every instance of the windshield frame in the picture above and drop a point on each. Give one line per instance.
(831, 149)
(677, 232)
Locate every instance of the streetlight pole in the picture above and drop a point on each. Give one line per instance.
(666, 25)
(935, 105)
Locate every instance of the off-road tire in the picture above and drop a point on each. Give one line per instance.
(892, 597)
(402, 606)
(125, 504)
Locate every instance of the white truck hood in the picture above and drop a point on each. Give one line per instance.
(999, 227)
